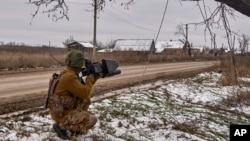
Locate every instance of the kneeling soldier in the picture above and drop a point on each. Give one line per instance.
(69, 98)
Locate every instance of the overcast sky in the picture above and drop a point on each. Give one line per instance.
(140, 21)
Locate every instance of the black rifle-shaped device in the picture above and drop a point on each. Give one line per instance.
(106, 67)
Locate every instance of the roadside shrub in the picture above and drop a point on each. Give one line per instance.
(231, 70)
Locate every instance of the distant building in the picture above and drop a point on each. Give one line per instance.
(139, 45)
(79, 45)
(170, 47)
(160, 46)
(196, 51)
(174, 48)
(205, 50)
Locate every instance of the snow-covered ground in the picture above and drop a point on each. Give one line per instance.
(197, 108)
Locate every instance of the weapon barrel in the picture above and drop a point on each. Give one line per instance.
(115, 72)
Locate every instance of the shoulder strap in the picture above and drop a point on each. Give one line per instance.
(52, 85)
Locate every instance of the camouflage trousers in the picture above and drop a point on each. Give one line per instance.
(78, 121)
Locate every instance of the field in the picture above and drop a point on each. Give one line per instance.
(196, 108)
(20, 58)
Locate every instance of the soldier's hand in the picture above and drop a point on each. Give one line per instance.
(94, 76)
(99, 75)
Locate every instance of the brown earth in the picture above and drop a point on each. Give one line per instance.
(32, 93)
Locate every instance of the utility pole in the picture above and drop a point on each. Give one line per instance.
(187, 42)
(94, 36)
(215, 42)
(186, 32)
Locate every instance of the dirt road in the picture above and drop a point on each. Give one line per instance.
(24, 90)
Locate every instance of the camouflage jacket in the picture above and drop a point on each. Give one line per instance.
(67, 92)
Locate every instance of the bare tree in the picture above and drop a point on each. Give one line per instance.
(243, 6)
(243, 43)
(58, 9)
(181, 32)
(67, 41)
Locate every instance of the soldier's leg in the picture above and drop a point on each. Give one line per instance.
(91, 122)
(78, 121)
(84, 104)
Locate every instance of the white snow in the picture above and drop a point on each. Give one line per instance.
(167, 110)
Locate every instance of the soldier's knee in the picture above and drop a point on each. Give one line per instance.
(93, 118)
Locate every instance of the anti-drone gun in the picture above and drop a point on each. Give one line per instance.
(106, 67)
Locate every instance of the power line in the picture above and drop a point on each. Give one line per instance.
(112, 14)
(162, 21)
(156, 37)
(136, 18)
(80, 3)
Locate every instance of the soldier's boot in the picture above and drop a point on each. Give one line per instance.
(60, 133)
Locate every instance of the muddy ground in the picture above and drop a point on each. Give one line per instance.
(17, 103)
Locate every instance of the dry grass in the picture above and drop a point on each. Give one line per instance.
(13, 58)
(22, 57)
(232, 71)
(239, 99)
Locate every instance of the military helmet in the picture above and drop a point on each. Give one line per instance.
(76, 59)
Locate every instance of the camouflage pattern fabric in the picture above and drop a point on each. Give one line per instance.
(52, 84)
(83, 104)
(59, 103)
(78, 121)
(56, 105)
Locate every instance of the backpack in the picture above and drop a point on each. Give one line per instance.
(55, 102)
(52, 85)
